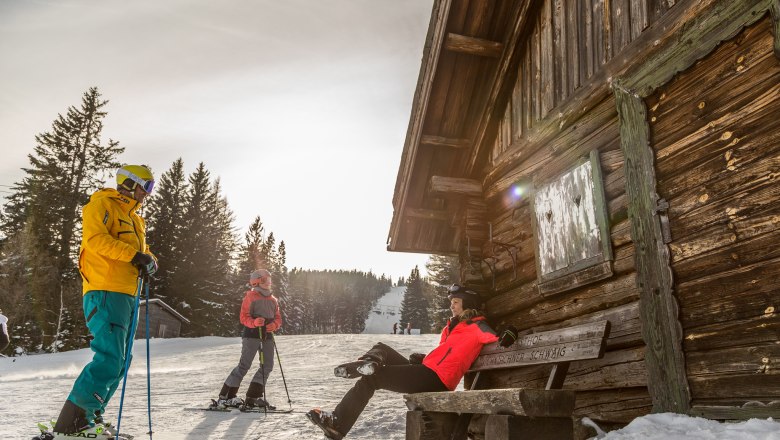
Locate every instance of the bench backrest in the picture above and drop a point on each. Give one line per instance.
(586, 341)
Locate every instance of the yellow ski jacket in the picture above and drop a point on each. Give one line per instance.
(113, 233)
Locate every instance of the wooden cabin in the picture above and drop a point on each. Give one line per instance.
(164, 321)
(610, 160)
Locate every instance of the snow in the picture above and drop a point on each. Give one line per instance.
(668, 426)
(189, 372)
(389, 307)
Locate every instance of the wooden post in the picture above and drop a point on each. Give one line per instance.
(500, 427)
(421, 425)
(661, 328)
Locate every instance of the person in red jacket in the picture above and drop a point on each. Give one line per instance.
(384, 368)
(260, 317)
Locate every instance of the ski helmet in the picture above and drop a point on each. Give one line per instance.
(129, 176)
(256, 277)
(471, 299)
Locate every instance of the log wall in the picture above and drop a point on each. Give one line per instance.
(715, 131)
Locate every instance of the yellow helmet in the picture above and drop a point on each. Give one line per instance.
(138, 175)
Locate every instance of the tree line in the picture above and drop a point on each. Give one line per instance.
(204, 264)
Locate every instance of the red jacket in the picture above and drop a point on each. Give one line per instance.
(458, 349)
(255, 306)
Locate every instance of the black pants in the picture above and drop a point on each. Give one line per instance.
(4, 340)
(396, 375)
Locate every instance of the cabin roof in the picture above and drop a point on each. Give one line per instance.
(168, 308)
(464, 62)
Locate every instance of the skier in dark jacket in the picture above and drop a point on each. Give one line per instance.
(260, 317)
(384, 368)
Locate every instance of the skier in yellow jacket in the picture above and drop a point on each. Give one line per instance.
(112, 256)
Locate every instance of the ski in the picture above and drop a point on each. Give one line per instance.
(104, 432)
(238, 410)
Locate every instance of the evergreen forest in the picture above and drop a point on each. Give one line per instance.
(204, 263)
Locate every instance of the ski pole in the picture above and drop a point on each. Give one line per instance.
(262, 370)
(129, 350)
(281, 370)
(148, 362)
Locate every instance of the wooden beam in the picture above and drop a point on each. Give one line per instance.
(439, 141)
(750, 410)
(514, 401)
(504, 74)
(433, 44)
(661, 328)
(455, 186)
(427, 214)
(473, 46)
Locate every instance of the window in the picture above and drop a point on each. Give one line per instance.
(570, 225)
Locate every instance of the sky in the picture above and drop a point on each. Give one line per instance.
(300, 107)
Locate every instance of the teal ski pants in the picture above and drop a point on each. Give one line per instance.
(109, 317)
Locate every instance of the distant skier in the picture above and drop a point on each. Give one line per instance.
(383, 368)
(395, 327)
(113, 251)
(261, 317)
(409, 328)
(5, 337)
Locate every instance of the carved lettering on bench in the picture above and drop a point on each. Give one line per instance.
(579, 342)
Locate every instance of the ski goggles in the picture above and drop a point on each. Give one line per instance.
(458, 291)
(146, 185)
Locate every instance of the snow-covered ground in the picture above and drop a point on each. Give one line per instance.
(188, 372)
(386, 312)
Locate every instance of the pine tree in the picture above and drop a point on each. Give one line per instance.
(69, 162)
(165, 220)
(414, 307)
(442, 272)
(204, 275)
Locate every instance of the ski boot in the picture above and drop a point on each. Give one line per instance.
(351, 370)
(325, 421)
(256, 403)
(224, 403)
(98, 431)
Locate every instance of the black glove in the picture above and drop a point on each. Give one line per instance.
(508, 337)
(145, 263)
(416, 358)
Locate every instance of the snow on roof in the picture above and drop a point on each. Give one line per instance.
(166, 307)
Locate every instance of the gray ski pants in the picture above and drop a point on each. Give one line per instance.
(250, 347)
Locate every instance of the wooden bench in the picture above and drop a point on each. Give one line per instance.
(512, 413)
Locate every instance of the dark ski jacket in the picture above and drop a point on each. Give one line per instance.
(458, 349)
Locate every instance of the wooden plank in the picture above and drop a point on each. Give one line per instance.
(573, 49)
(427, 214)
(441, 141)
(758, 410)
(578, 277)
(455, 186)
(517, 401)
(574, 343)
(473, 46)
(621, 22)
(662, 330)
(639, 20)
(775, 10)
(546, 60)
(560, 65)
(742, 332)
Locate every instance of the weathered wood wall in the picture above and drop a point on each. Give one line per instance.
(715, 130)
(570, 42)
(157, 315)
